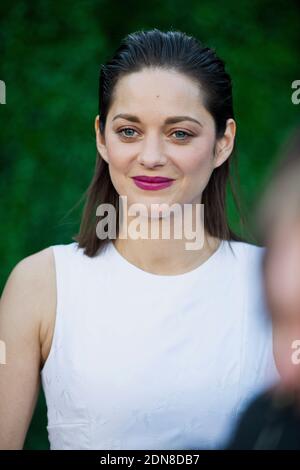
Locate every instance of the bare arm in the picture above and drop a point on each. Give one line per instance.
(25, 307)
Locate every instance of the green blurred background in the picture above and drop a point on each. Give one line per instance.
(50, 56)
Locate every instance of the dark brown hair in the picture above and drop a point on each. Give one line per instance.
(168, 50)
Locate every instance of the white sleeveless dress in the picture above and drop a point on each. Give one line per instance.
(146, 361)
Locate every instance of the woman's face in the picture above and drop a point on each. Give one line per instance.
(145, 143)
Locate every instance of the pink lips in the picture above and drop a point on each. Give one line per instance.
(152, 183)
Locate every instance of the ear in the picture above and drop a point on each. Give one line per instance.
(100, 140)
(225, 144)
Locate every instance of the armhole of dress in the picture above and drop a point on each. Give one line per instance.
(56, 250)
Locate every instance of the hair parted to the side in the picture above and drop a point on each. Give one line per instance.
(168, 50)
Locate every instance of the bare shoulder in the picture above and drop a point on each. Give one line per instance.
(29, 296)
(27, 308)
(34, 267)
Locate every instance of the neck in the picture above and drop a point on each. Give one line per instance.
(165, 255)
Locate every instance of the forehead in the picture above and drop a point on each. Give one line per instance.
(156, 89)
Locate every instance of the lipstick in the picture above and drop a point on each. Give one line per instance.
(152, 183)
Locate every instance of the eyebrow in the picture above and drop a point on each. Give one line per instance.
(169, 120)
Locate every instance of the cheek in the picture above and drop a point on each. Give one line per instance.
(119, 154)
(196, 158)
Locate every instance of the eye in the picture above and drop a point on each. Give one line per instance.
(126, 129)
(186, 134)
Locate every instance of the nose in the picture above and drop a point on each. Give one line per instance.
(151, 154)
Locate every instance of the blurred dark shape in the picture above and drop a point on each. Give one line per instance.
(272, 420)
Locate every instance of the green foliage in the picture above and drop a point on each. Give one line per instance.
(50, 55)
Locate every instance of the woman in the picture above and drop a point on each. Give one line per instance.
(144, 343)
(272, 421)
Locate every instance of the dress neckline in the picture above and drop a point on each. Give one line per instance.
(199, 270)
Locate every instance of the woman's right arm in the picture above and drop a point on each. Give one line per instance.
(24, 308)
